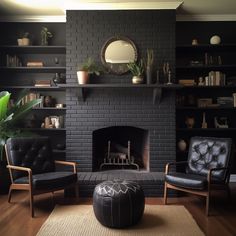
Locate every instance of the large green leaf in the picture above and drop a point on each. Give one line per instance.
(22, 110)
(18, 101)
(21, 95)
(4, 99)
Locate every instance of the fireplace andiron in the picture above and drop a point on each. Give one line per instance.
(119, 158)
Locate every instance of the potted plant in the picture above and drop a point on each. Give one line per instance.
(8, 119)
(25, 39)
(137, 70)
(88, 68)
(45, 35)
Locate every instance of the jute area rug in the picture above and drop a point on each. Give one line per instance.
(79, 220)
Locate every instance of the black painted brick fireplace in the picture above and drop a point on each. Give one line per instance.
(86, 32)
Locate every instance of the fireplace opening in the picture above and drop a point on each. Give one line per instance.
(120, 147)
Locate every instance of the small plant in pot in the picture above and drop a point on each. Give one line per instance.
(137, 70)
(24, 40)
(45, 36)
(89, 67)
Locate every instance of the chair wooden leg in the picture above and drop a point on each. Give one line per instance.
(31, 203)
(9, 194)
(165, 194)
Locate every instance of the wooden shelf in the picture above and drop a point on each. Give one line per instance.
(210, 87)
(49, 108)
(52, 88)
(44, 129)
(205, 130)
(156, 88)
(59, 49)
(44, 69)
(205, 47)
(207, 67)
(204, 108)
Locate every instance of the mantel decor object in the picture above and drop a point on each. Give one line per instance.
(117, 52)
(149, 65)
(88, 68)
(137, 70)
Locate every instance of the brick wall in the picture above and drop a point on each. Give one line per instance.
(86, 32)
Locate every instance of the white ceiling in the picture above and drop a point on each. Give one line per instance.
(55, 9)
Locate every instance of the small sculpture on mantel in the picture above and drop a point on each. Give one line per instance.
(167, 72)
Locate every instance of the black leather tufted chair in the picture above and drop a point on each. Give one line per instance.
(32, 168)
(208, 165)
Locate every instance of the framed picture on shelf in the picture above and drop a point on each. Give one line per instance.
(55, 121)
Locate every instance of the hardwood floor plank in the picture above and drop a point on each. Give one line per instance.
(15, 218)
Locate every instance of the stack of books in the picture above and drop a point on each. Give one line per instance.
(187, 82)
(215, 78)
(34, 64)
(13, 61)
(43, 83)
(30, 97)
(225, 101)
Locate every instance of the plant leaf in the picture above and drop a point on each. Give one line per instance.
(4, 99)
(21, 95)
(22, 110)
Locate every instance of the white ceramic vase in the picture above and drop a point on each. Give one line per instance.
(137, 80)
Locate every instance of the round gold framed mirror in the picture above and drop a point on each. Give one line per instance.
(117, 52)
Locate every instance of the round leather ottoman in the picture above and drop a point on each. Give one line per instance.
(118, 203)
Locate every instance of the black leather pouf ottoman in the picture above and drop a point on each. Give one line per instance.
(118, 203)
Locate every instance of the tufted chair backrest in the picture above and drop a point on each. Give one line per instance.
(34, 153)
(206, 153)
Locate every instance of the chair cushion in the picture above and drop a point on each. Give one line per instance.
(206, 153)
(188, 181)
(50, 180)
(32, 152)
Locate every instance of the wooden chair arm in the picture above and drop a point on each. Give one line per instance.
(209, 175)
(20, 168)
(172, 164)
(68, 163)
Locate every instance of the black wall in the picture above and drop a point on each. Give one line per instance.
(204, 30)
(86, 32)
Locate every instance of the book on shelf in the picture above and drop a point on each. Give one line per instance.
(43, 83)
(187, 82)
(30, 97)
(216, 78)
(34, 64)
(13, 61)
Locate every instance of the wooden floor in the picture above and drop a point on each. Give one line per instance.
(15, 218)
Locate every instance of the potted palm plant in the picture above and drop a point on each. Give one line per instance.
(9, 116)
(137, 70)
(89, 67)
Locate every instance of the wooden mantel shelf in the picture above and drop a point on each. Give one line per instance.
(156, 88)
